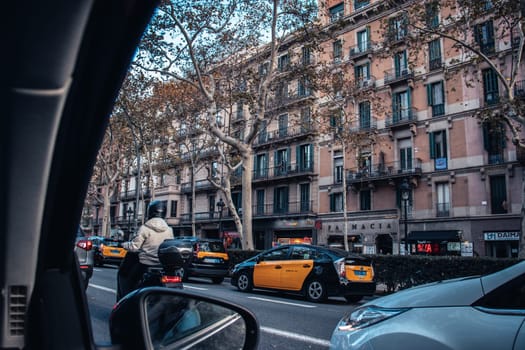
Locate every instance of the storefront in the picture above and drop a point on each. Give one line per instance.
(444, 242)
(290, 231)
(502, 244)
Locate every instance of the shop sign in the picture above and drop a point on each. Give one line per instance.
(467, 249)
(502, 236)
(301, 223)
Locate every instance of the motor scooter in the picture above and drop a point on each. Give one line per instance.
(168, 274)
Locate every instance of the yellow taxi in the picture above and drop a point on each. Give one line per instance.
(313, 271)
(107, 251)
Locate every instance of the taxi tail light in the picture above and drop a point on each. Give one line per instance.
(85, 244)
(340, 268)
(171, 279)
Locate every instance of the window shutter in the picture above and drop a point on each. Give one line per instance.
(485, 130)
(432, 145)
(444, 137)
(429, 95)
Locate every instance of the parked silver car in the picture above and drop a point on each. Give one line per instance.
(474, 313)
(86, 256)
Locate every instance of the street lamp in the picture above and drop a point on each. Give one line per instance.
(405, 194)
(220, 207)
(130, 213)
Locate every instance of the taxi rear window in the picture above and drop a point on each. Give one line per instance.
(216, 247)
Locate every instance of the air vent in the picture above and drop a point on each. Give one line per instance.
(17, 309)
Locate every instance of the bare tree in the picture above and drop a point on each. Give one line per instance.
(211, 45)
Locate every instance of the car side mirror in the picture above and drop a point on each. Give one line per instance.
(258, 259)
(155, 317)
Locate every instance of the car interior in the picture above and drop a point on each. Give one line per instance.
(64, 63)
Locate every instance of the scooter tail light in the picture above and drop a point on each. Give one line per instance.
(171, 279)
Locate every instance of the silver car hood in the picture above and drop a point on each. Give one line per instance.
(455, 292)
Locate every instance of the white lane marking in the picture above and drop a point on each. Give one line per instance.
(296, 336)
(103, 288)
(283, 302)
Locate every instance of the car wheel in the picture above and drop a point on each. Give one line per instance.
(315, 291)
(217, 280)
(244, 282)
(353, 298)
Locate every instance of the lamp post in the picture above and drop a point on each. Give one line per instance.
(220, 207)
(405, 194)
(130, 213)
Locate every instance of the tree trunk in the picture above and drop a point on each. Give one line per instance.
(345, 213)
(521, 253)
(247, 175)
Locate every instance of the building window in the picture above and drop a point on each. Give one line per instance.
(498, 194)
(282, 90)
(280, 200)
(283, 63)
(237, 201)
(263, 132)
(397, 28)
(305, 158)
(401, 64)
(432, 14)
(438, 149)
(281, 161)
(359, 4)
(405, 155)
(363, 40)
(338, 50)
(365, 163)
(337, 12)
(443, 199)
(338, 167)
(240, 110)
(365, 200)
(263, 69)
(336, 121)
(306, 55)
(337, 84)
(434, 54)
(304, 190)
(214, 169)
(173, 209)
(261, 166)
(436, 98)
(490, 86)
(283, 125)
(303, 87)
(364, 115)
(306, 119)
(494, 141)
(260, 202)
(336, 202)
(401, 102)
(362, 73)
(211, 205)
(484, 36)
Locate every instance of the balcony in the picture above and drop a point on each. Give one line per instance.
(287, 134)
(361, 50)
(401, 116)
(363, 84)
(285, 209)
(200, 186)
(443, 210)
(399, 75)
(365, 125)
(435, 64)
(132, 194)
(288, 99)
(384, 171)
(284, 171)
(186, 218)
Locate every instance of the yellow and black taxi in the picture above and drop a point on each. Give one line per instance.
(313, 271)
(107, 251)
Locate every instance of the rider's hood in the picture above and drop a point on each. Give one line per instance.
(157, 224)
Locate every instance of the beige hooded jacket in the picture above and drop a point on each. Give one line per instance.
(148, 240)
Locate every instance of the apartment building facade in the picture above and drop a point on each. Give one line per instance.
(431, 179)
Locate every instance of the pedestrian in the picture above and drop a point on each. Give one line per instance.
(146, 244)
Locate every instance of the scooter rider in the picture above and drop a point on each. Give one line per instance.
(146, 243)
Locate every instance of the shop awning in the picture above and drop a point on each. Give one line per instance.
(445, 235)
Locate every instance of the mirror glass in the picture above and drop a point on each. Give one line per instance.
(176, 322)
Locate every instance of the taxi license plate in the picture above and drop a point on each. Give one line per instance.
(211, 260)
(360, 273)
(115, 251)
